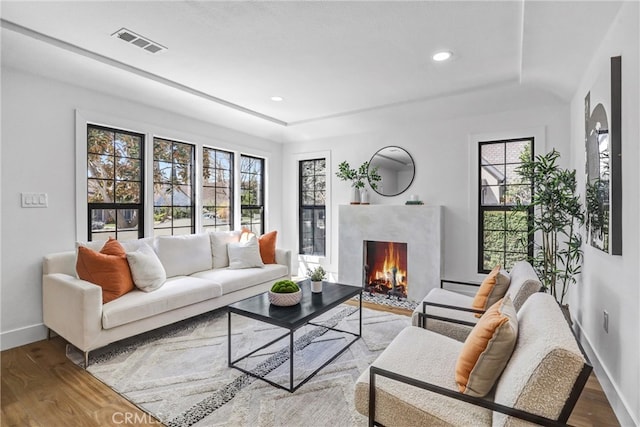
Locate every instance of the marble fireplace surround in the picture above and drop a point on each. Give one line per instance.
(418, 226)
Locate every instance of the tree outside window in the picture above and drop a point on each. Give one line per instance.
(173, 189)
(312, 213)
(217, 189)
(252, 193)
(115, 194)
(503, 233)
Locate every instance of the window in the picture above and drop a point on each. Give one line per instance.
(312, 183)
(173, 187)
(217, 189)
(503, 234)
(115, 194)
(252, 193)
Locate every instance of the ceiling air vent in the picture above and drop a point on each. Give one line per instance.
(137, 40)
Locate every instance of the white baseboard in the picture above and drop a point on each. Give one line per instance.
(617, 401)
(22, 336)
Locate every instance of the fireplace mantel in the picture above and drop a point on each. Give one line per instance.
(418, 226)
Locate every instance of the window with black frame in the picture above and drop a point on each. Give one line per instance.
(252, 193)
(173, 187)
(503, 234)
(217, 190)
(115, 193)
(312, 214)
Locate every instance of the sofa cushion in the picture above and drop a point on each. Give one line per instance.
(492, 289)
(176, 292)
(184, 255)
(545, 363)
(219, 242)
(487, 349)
(399, 404)
(128, 245)
(146, 269)
(108, 269)
(234, 280)
(244, 254)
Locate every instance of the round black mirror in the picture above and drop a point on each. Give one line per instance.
(396, 170)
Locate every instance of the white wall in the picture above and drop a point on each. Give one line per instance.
(612, 282)
(38, 155)
(445, 153)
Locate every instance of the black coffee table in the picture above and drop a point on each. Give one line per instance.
(292, 318)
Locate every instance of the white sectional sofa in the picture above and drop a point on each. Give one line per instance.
(198, 280)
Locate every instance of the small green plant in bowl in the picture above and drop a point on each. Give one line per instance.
(285, 293)
(285, 287)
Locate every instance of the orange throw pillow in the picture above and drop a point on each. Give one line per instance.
(108, 269)
(493, 287)
(267, 243)
(487, 349)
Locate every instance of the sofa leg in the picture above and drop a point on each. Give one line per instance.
(48, 334)
(86, 359)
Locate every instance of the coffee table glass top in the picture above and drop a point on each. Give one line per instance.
(310, 306)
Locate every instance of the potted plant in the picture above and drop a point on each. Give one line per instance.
(556, 219)
(316, 275)
(357, 178)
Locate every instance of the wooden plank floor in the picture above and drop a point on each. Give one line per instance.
(41, 387)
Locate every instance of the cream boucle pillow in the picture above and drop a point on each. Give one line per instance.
(487, 349)
(245, 254)
(146, 269)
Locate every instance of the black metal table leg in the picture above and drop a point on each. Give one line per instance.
(291, 361)
(229, 340)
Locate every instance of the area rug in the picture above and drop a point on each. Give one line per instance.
(179, 373)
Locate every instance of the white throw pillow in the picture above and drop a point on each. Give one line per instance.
(244, 254)
(219, 242)
(184, 255)
(146, 269)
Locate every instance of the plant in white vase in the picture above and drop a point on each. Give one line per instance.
(357, 178)
(316, 276)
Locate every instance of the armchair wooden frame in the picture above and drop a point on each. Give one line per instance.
(569, 404)
(422, 320)
(518, 413)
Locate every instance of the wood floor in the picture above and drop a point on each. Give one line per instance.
(41, 387)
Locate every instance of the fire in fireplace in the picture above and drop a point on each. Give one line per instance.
(385, 268)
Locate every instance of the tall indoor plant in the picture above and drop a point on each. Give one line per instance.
(557, 217)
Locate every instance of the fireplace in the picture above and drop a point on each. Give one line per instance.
(419, 226)
(385, 268)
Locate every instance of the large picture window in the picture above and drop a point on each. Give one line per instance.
(252, 193)
(503, 233)
(217, 189)
(313, 184)
(115, 194)
(173, 187)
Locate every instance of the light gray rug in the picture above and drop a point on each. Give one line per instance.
(179, 373)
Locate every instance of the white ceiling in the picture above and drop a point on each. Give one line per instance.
(329, 60)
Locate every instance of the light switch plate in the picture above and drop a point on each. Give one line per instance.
(34, 200)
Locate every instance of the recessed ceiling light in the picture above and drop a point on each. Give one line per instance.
(277, 98)
(442, 56)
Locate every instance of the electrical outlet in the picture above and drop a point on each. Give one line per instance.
(605, 323)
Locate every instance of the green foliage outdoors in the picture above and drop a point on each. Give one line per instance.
(285, 287)
(558, 215)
